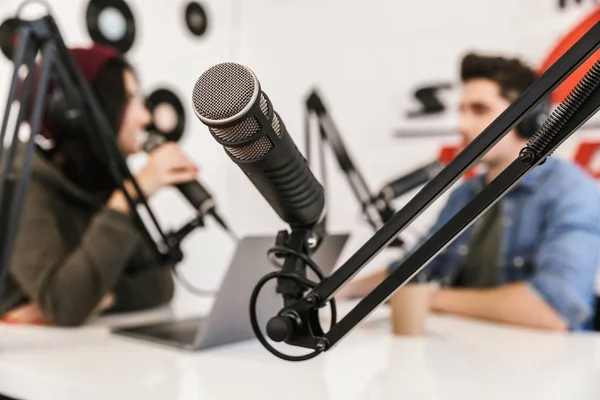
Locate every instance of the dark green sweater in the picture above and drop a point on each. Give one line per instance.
(71, 250)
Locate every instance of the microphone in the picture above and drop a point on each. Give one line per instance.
(410, 181)
(193, 191)
(228, 99)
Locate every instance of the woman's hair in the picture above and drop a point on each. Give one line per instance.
(73, 154)
(109, 87)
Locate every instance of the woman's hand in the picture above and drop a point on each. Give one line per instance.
(31, 314)
(28, 314)
(167, 165)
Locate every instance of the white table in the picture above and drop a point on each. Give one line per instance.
(457, 359)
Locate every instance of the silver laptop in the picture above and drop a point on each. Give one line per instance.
(229, 318)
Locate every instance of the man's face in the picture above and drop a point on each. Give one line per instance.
(480, 104)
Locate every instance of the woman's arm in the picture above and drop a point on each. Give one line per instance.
(69, 285)
(142, 290)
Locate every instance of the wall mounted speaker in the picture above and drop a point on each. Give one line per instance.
(8, 37)
(111, 23)
(196, 18)
(168, 116)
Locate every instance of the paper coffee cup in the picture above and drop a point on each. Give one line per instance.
(410, 308)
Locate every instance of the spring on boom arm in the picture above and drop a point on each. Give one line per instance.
(559, 117)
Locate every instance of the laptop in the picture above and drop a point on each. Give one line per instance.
(229, 319)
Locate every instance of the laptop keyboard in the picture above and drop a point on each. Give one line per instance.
(184, 332)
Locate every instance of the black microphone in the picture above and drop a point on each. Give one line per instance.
(193, 191)
(410, 181)
(228, 99)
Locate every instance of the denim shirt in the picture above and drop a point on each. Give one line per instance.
(551, 238)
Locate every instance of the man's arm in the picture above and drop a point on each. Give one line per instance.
(361, 287)
(514, 304)
(558, 295)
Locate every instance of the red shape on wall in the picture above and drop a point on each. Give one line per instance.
(447, 154)
(585, 155)
(564, 44)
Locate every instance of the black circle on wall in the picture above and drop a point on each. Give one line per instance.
(111, 23)
(168, 116)
(8, 32)
(196, 18)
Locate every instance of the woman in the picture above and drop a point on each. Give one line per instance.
(78, 251)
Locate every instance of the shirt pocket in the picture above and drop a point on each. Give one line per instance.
(523, 240)
(519, 266)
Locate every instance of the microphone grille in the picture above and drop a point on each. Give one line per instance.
(253, 151)
(246, 127)
(237, 88)
(223, 95)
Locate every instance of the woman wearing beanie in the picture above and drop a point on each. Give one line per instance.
(78, 251)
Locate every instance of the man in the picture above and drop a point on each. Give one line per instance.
(530, 260)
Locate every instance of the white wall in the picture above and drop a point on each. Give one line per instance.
(365, 58)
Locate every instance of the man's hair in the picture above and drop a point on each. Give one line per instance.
(511, 74)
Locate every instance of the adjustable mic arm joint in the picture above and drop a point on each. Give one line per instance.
(172, 245)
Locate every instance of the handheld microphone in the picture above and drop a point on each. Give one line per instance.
(193, 191)
(228, 99)
(410, 181)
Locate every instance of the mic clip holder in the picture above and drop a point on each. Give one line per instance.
(295, 248)
(297, 324)
(172, 253)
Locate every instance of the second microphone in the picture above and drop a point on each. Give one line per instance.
(193, 191)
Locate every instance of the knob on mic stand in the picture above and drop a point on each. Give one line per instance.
(280, 328)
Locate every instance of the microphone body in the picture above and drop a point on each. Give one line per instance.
(193, 191)
(198, 197)
(410, 181)
(228, 99)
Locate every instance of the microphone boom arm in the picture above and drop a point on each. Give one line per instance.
(580, 105)
(376, 211)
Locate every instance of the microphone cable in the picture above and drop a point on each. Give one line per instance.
(191, 288)
(185, 283)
